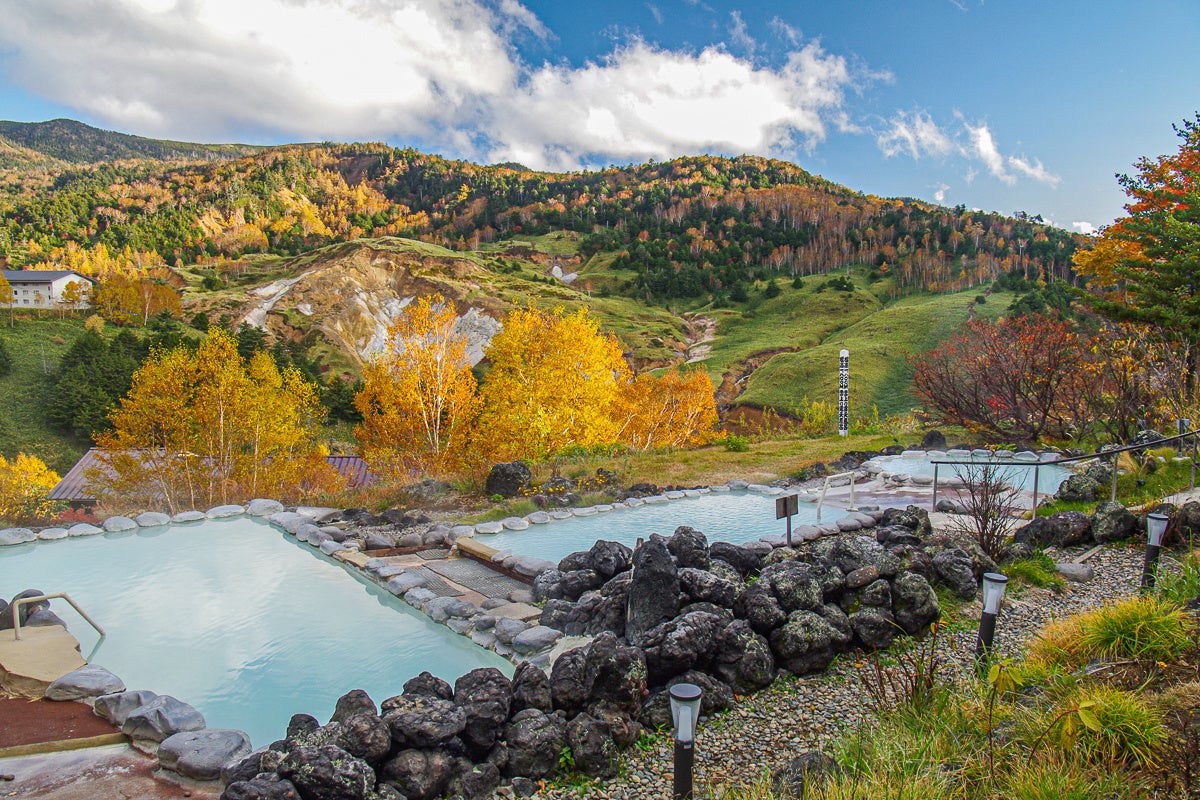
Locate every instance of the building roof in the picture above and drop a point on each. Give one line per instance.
(40, 275)
(74, 485)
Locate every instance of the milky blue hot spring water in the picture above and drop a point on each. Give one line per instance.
(237, 619)
(735, 517)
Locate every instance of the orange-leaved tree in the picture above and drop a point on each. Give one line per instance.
(1017, 379)
(674, 410)
(419, 399)
(1145, 264)
(555, 382)
(25, 484)
(204, 427)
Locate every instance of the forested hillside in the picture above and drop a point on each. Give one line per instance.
(698, 228)
(753, 267)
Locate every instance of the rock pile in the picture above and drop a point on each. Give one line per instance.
(434, 740)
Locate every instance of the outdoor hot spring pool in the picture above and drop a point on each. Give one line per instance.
(1016, 471)
(237, 619)
(735, 517)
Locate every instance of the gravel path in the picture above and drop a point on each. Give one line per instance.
(767, 730)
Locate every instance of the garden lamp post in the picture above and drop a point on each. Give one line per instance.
(685, 712)
(993, 592)
(1156, 526)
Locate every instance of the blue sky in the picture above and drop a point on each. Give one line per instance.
(1004, 106)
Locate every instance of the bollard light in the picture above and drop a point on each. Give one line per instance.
(1156, 526)
(993, 592)
(685, 713)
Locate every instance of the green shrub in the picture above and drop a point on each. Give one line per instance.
(736, 444)
(1182, 584)
(902, 751)
(1101, 724)
(1140, 627)
(1036, 570)
(1146, 628)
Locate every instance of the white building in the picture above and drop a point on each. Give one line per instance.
(36, 288)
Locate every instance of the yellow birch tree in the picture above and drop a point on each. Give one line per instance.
(675, 410)
(206, 427)
(555, 382)
(419, 398)
(25, 483)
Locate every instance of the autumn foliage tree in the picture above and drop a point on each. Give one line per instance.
(1017, 379)
(25, 484)
(1139, 378)
(1145, 266)
(419, 399)
(7, 297)
(676, 410)
(205, 427)
(130, 300)
(555, 382)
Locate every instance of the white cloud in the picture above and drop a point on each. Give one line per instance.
(442, 70)
(739, 36)
(917, 134)
(655, 12)
(645, 102)
(785, 31)
(939, 194)
(1034, 170)
(1085, 228)
(515, 16)
(321, 68)
(983, 147)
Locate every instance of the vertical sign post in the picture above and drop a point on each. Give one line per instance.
(787, 506)
(844, 393)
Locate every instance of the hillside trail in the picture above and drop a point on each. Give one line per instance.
(698, 332)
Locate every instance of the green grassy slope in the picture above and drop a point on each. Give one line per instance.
(36, 345)
(879, 345)
(796, 319)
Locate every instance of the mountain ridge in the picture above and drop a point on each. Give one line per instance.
(77, 142)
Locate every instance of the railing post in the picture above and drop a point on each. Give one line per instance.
(1192, 483)
(935, 485)
(1036, 469)
(1114, 478)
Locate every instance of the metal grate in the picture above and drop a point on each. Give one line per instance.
(478, 577)
(433, 555)
(435, 584)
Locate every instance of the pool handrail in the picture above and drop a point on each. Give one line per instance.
(1010, 462)
(16, 607)
(825, 485)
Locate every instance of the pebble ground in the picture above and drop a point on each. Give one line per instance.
(767, 730)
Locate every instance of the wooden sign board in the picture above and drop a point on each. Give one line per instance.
(786, 506)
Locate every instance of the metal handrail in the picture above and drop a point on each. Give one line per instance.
(825, 486)
(39, 598)
(1179, 437)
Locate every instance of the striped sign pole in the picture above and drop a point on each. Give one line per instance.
(844, 393)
